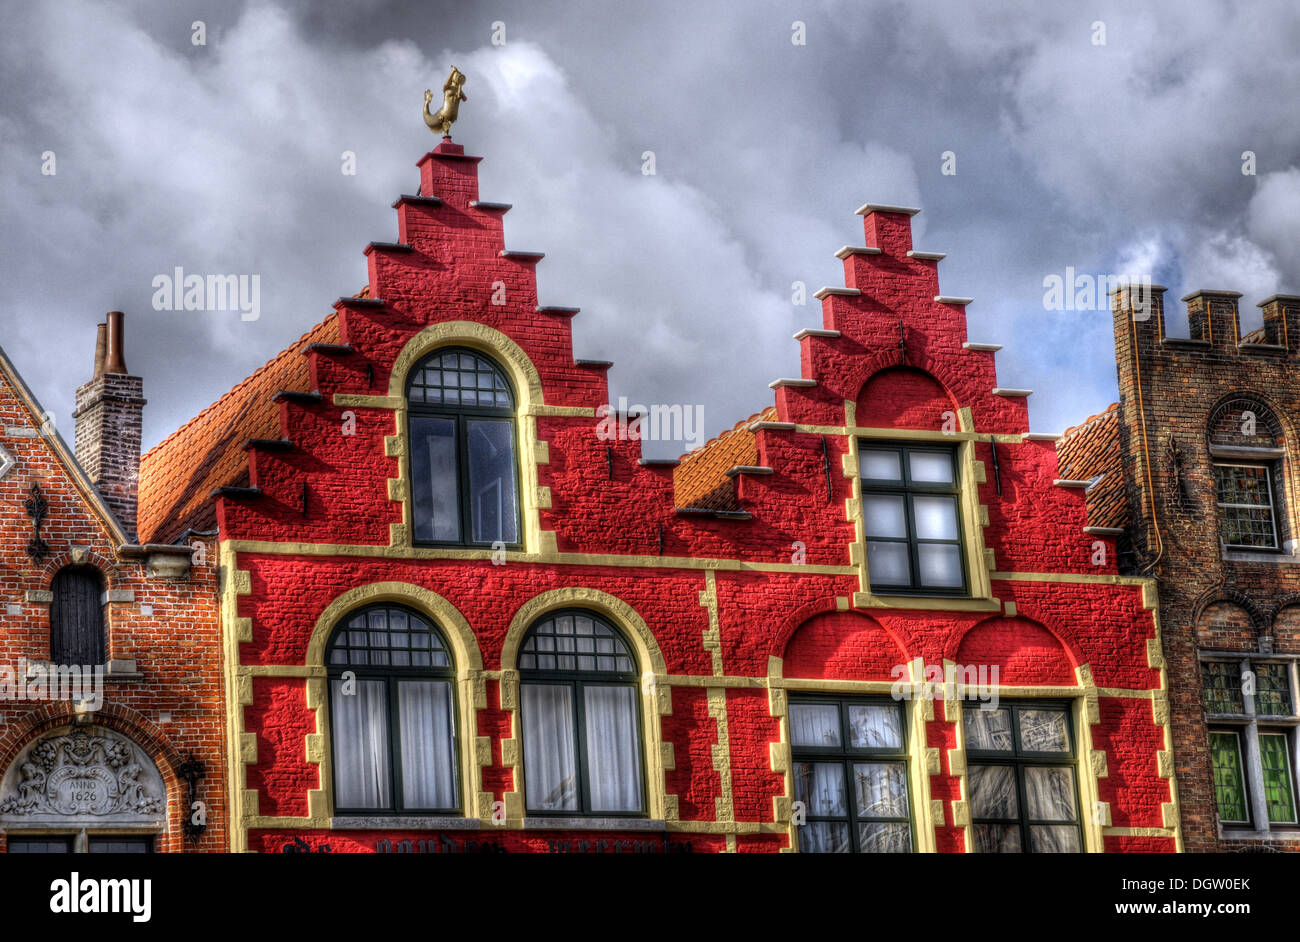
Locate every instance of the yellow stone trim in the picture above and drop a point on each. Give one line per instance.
(359, 401)
(371, 551)
(656, 694)
(713, 634)
(724, 803)
(529, 403)
(1009, 608)
(471, 696)
(965, 435)
(1139, 832)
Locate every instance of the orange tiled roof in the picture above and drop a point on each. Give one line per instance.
(178, 474)
(701, 481)
(1089, 450)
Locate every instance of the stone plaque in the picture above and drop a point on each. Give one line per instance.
(82, 777)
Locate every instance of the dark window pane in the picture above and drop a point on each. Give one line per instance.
(820, 786)
(120, 845)
(997, 838)
(825, 837)
(492, 481)
(874, 726)
(815, 724)
(435, 486)
(993, 791)
(1044, 731)
(1272, 689)
(930, 467)
(879, 464)
(1054, 839)
(39, 845)
(77, 616)
(1221, 687)
(988, 730)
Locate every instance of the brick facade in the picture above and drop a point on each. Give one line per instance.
(1186, 403)
(739, 577)
(161, 700)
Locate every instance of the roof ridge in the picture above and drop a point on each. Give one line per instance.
(1110, 410)
(725, 433)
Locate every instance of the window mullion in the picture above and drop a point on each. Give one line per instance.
(580, 746)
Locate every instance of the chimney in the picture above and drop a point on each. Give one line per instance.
(110, 418)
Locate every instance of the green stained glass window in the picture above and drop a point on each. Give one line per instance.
(1229, 784)
(1272, 689)
(1276, 759)
(1221, 683)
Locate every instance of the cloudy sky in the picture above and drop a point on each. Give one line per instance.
(1122, 156)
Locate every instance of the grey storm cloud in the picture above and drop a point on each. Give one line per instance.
(226, 158)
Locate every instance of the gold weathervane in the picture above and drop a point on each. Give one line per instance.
(442, 120)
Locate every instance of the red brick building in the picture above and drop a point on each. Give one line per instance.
(111, 707)
(461, 612)
(1195, 477)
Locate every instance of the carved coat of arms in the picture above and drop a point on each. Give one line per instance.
(80, 773)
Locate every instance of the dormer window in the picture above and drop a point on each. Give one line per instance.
(464, 478)
(911, 518)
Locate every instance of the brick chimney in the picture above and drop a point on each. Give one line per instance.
(109, 416)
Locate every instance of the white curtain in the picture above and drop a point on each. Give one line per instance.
(360, 745)
(814, 724)
(550, 769)
(428, 751)
(613, 748)
(875, 727)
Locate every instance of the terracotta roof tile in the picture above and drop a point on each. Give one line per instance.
(701, 481)
(1091, 450)
(178, 474)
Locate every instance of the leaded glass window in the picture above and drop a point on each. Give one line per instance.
(392, 714)
(464, 475)
(580, 708)
(1272, 688)
(1245, 497)
(912, 518)
(1021, 779)
(1279, 792)
(1229, 780)
(1221, 687)
(850, 774)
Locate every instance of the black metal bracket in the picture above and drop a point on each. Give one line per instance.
(661, 539)
(191, 770)
(37, 509)
(902, 341)
(826, 462)
(997, 472)
(609, 461)
(370, 376)
(302, 500)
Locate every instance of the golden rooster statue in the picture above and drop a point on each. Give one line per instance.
(442, 120)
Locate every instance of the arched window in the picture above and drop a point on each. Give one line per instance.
(1248, 449)
(464, 487)
(77, 616)
(582, 729)
(392, 710)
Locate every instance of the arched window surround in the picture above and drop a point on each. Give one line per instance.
(464, 450)
(401, 710)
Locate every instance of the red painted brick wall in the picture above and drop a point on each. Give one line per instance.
(1034, 527)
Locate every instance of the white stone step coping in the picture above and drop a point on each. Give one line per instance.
(816, 332)
(748, 469)
(868, 208)
(1071, 482)
(929, 256)
(1012, 393)
(1041, 437)
(827, 291)
(847, 250)
(1104, 531)
(986, 347)
(785, 381)
(950, 299)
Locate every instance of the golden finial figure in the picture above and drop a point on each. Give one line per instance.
(452, 96)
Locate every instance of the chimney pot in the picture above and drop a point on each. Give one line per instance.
(114, 358)
(101, 347)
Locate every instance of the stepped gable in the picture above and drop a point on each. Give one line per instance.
(1091, 450)
(700, 482)
(179, 474)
